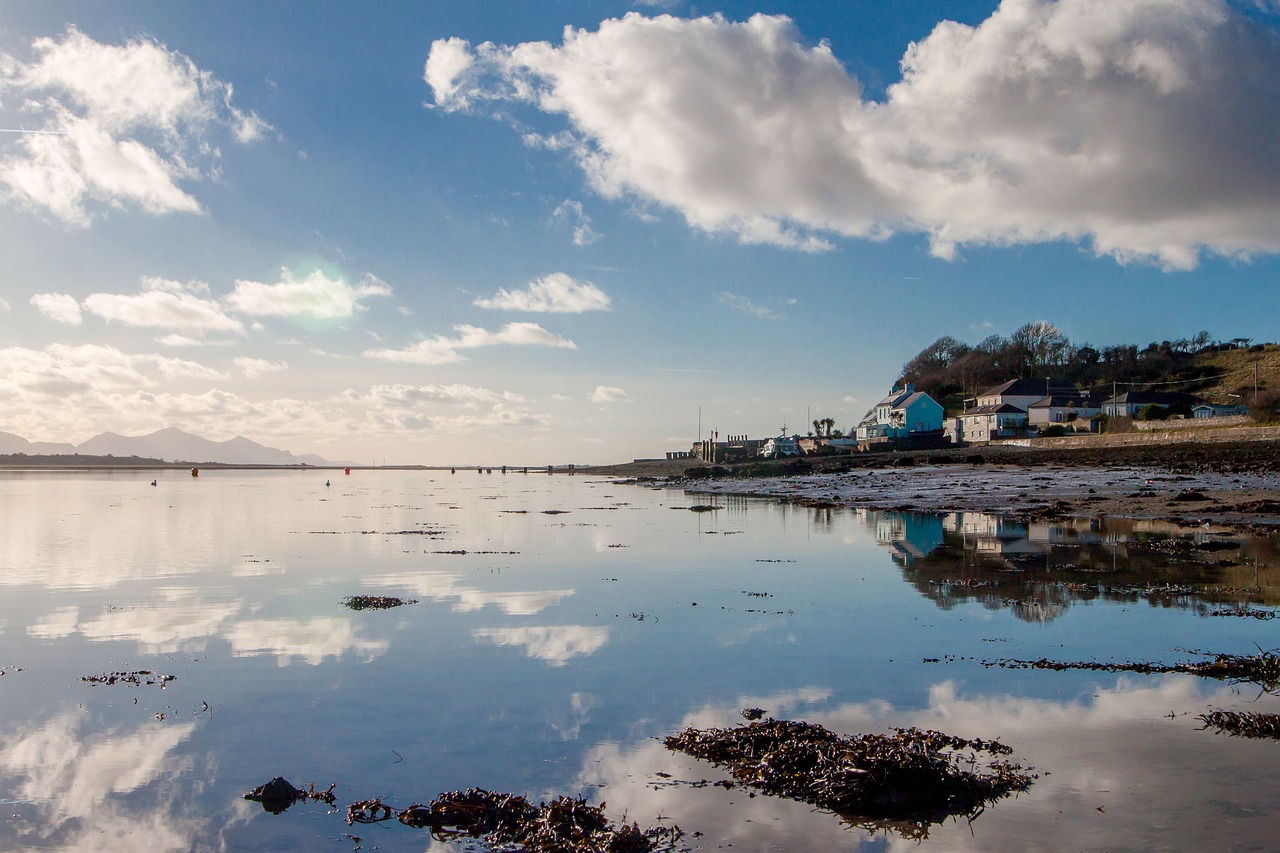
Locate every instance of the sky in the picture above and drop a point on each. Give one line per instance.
(593, 230)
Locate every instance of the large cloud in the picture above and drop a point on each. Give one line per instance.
(121, 124)
(418, 408)
(62, 369)
(1145, 127)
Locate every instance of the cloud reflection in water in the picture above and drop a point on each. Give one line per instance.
(554, 644)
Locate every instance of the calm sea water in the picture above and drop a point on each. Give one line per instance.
(564, 625)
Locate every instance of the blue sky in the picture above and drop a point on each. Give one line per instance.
(513, 232)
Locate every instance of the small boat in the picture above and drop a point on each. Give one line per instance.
(780, 446)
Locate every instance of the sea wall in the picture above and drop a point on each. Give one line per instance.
(1194, 423)
(1163, 436)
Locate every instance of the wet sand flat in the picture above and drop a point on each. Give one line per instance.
(1126, 492)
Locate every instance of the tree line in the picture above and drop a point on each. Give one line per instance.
(949, 367)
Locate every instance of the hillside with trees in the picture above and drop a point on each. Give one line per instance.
(1220, 371)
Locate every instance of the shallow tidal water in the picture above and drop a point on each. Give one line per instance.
(564, 626)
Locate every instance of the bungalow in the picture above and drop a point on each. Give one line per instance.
(1218, 410)
(904, 413)
(1131, 403)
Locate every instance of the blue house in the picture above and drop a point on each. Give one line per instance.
(905, 413)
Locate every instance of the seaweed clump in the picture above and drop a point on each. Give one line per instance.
(1250, 724)
(1262, 669)
(511, 822)
(375, 602)
(906, 781)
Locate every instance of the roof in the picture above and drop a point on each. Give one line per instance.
(896, 396)
(1064, 400)
(913, 399)
(1160, 398)
(1002, 409)
(1019, 388)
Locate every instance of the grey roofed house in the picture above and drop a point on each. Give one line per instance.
(1016, 392)
(1129, 403)
(1062, 408)
(1022, 387)
(988, 423)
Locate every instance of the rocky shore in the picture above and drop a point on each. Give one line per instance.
(1235, 484)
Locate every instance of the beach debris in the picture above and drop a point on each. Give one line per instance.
(906, 781)
(1262, 669)
(137, 678)
(1247, 613)
(1251, 724)
(375, 602)
(278, 794)
(510, 822)
(368, 811)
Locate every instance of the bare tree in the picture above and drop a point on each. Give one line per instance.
(1040, 345)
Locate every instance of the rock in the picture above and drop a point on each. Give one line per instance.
(276, 795)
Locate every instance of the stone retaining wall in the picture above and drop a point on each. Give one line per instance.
(1166, 436)
(1193, 423)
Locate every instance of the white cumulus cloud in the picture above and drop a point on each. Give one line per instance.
(62, 307)
(164, 304)
(60, 370)
(252, 368)
(315, 296)
(607, 394)
(444, 350)
(556, 293)
(127, 125)
(1142, 128)
(449, 409)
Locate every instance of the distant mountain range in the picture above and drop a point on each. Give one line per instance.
(171, 445)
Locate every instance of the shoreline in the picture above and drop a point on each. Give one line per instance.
(1230, 484)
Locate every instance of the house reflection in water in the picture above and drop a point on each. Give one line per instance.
(908, 536)
(1037, 569)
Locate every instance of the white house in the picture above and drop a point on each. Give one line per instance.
(1063, 409)
(905, 412)
(988, 423)
(1016, 392)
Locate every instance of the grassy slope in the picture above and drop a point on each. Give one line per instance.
(1238, 365)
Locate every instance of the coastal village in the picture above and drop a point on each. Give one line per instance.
(1018, 411)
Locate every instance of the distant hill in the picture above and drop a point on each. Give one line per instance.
(172, 445)
(10, 443)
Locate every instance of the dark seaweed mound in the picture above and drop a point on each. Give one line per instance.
(905, 781)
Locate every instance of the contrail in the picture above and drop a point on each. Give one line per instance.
(24, 130)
